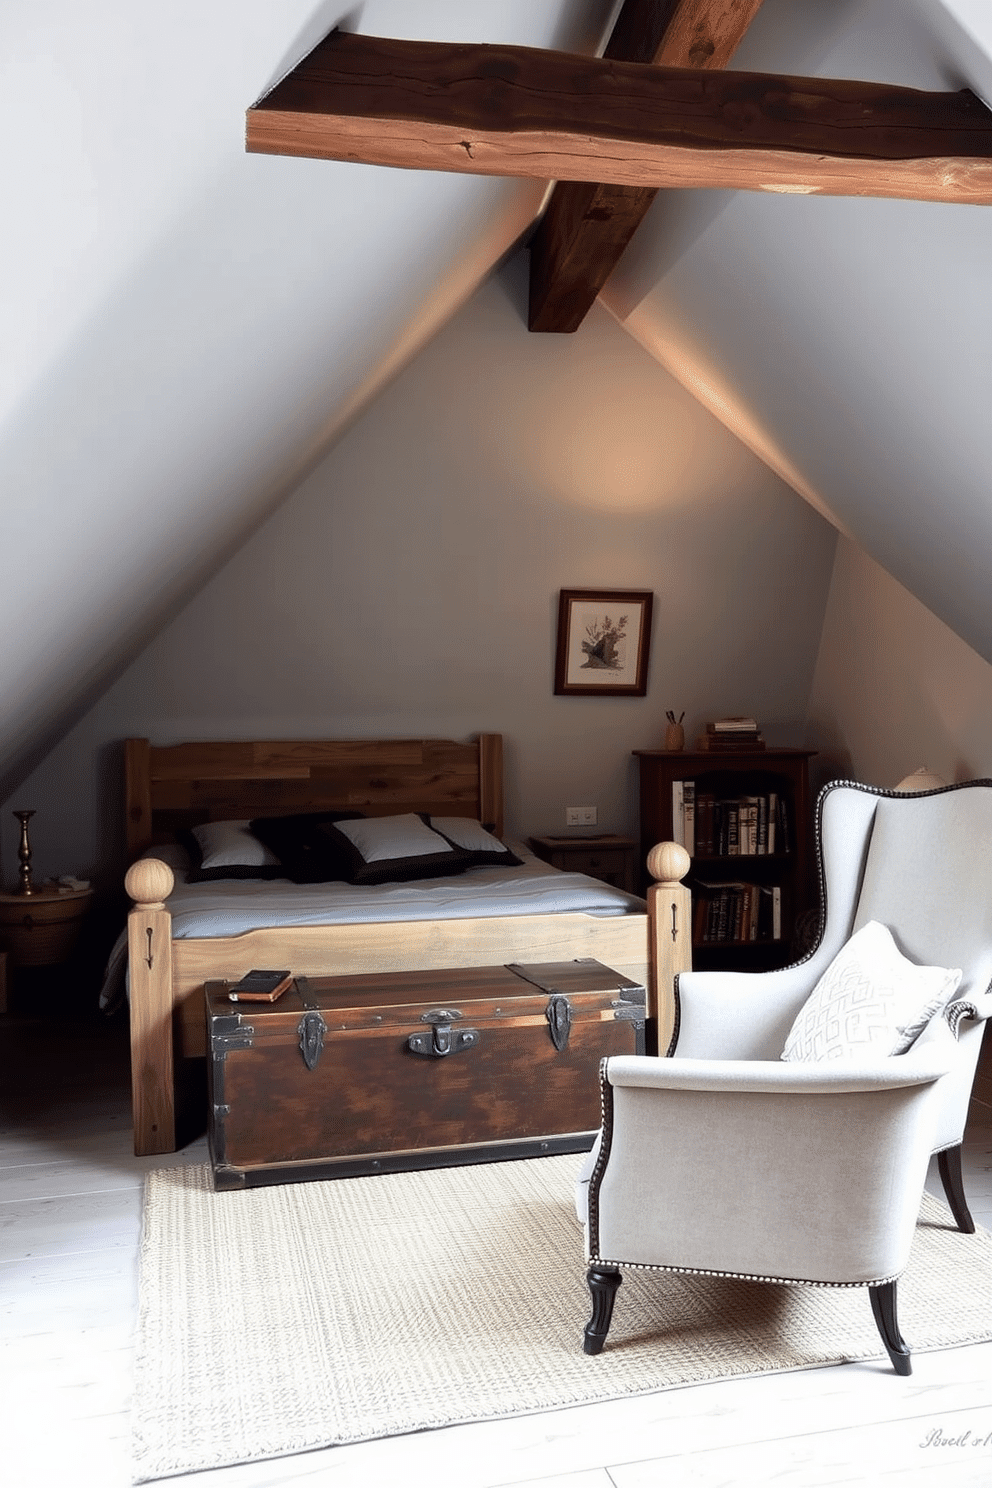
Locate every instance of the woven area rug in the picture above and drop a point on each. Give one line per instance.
(278, 1320)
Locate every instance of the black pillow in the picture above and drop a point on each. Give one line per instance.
(306, 854)
(390, 860)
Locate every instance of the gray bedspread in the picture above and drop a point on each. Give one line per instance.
(231, 907)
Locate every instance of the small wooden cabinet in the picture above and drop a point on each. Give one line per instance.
(610, 858)
(41, 929)
(746, 899)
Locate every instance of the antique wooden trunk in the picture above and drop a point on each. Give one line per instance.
(368, 1074)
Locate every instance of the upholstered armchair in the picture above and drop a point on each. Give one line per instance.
(809, 1169)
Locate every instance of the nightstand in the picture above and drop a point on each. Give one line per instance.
(41, 929)
(611, 858)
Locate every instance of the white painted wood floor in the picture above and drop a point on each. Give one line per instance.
(70, 1198)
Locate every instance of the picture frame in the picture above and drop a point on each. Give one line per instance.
(604, 636)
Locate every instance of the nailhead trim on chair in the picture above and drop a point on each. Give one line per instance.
(598, 1260)
(605, 1142)
(677, 1024)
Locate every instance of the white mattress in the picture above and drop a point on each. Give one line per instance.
(232, 907)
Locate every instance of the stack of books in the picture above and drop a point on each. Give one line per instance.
(732, 735)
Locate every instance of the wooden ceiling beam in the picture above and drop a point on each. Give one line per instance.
(586, 226)
(517, 111)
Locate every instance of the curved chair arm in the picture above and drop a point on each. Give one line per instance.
(970, 1009)
(966, 1018)
(779, 1077)
(806, 1172)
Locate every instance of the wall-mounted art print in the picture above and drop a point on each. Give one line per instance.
(603, 640)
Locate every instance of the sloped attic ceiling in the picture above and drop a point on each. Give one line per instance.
(848, 341)
(186, 327)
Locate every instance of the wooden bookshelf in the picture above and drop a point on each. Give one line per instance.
(773, 784)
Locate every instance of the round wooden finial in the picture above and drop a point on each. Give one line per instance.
(668, 862)
(149, 881)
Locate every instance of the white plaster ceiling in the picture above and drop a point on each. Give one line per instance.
(187, 328)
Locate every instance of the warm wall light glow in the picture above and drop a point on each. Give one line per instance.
(688, 365)
(623, 450)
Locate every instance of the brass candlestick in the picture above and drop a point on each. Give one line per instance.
(25, 884)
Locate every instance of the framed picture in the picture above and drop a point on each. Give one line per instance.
(603, 640)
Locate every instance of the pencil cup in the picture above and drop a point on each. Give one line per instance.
(674, 737)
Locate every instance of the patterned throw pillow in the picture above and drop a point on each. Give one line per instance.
(869, 1003)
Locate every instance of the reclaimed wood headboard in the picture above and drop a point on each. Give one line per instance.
(168, 787)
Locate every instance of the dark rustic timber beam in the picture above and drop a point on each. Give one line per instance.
(517, 111)
(586, 226)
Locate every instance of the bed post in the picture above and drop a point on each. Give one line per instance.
(669, 938)
(491, 782)
(149, 931)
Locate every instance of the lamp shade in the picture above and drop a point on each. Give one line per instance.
(921, 780)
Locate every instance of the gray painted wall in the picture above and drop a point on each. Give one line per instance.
(894, 687)
(410, 585)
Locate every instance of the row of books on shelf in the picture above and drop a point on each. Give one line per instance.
(736, 913)
(711, 826)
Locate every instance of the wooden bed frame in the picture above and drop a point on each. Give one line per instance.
(182, 785)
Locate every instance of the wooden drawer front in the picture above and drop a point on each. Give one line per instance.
(610, 858)
(598, 863)
(42, 931)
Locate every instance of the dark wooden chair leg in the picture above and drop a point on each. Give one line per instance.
(949, 1168)
(883, 1306)
(603, 1283)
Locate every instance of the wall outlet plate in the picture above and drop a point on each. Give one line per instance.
(580, 816)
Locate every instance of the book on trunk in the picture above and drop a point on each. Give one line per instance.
(260, 986)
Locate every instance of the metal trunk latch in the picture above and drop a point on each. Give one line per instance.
(311, 1030)
(442, 1039)
(559, 1015)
